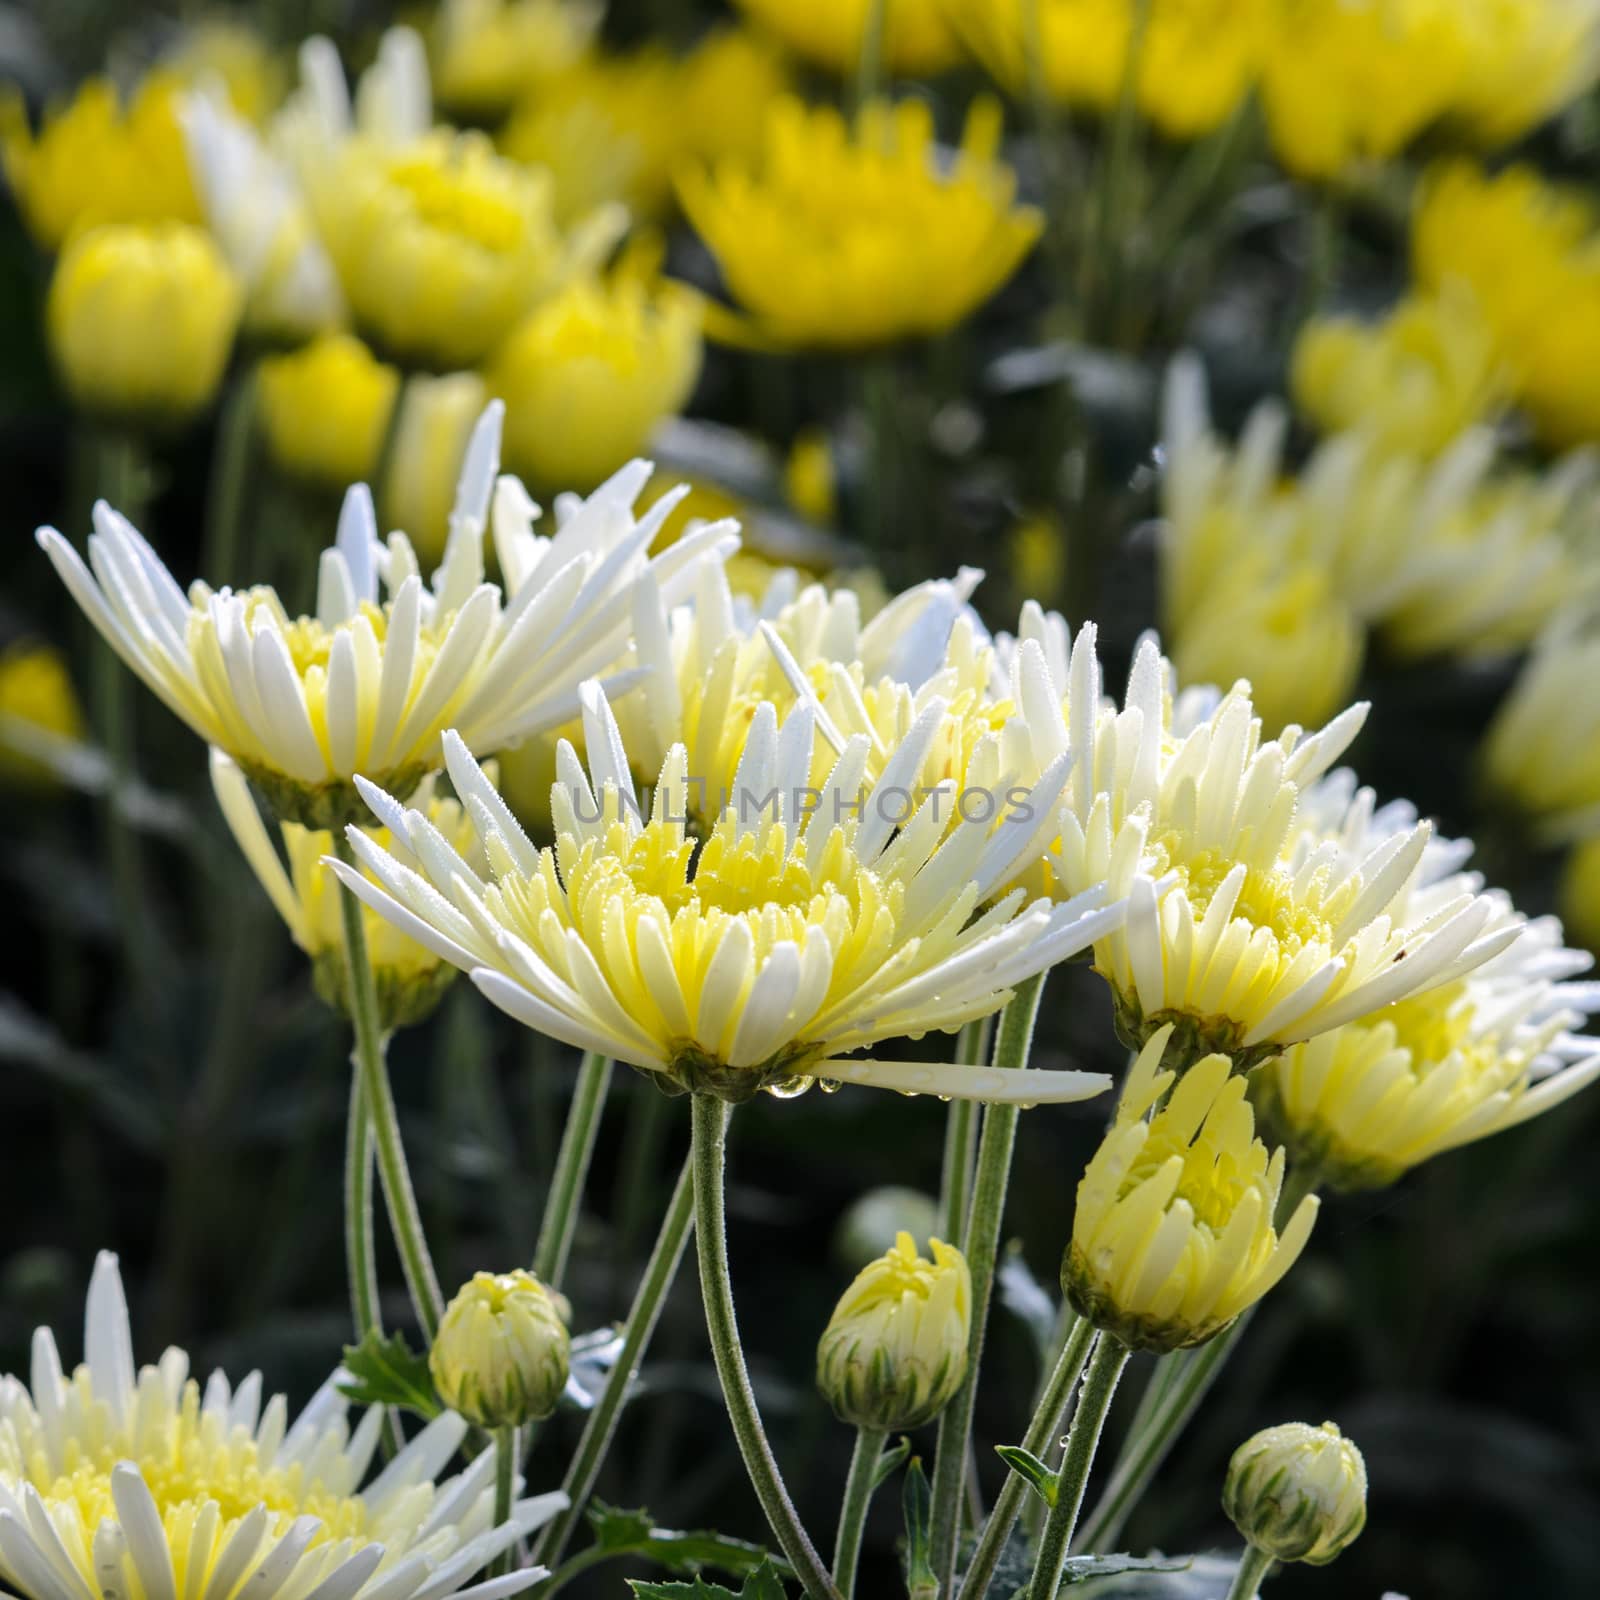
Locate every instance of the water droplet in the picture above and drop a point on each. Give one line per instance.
(789, 1088)
(829, 1085)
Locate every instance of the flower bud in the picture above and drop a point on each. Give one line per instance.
(895, 1350)
(1296, 1492)
(501, 1354)
(141, 320)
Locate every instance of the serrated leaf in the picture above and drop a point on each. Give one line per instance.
(889, 1463)
(621, 1532)
(764, 1583)
(1080, 1569)
(386, 1371)
(1031, 1470)
(1013, 1573)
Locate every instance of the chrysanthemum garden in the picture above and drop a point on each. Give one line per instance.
(801, 798)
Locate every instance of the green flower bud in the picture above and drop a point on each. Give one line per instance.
(500, 1356)
(1296, 1492)
(895, 1350)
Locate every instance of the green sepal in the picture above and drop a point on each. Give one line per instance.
(889, 1463)
(620, 1532)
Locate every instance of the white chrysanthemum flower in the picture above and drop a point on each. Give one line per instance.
(302, 704)
(812, 921)
(1541, 756)
(1465, 1060)
(144, 1486)
(1449, 553)
(712, 663)
(1245, 933)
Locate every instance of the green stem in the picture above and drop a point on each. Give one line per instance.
(961, 1139)
(981, 1245)
(858, 1487)
(572, 1169)
(1044, 1428)
(1099, 1385)
(505, 1477)
(1253, 1567)
(360, 1256)
(643, 1315)
(227, 495)
(869, 65)
(1192, 1374)
(708, 1156)
(373, 1073)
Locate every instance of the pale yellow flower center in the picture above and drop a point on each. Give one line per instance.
(446, 198)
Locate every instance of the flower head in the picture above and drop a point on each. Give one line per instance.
(792, 935)
(846, 237)
(1197, 59)
(1297, 1492)
(917, 40)
(410, 979)
(488, 53)
(1173, 1234)
(141, 319)
(1525, 60)
(1417, 380)
(37, 705)
(1541, 755)
(587, 375)
(895, 1349)
(141, 1483)
(501, 1354)
(98, 161)
(325, 409)
(363, 685)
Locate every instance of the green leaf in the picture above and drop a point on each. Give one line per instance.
(1119, 1575)
(916, 1502)
(889, 1463)
(386, 1371)
(1080, 1569)
(1030, 1468)
(764, 1583)
(619, 1532)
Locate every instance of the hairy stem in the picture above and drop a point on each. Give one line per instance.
(708, 1155)
(981, 1246)
(858, 1487)
(572, 1170)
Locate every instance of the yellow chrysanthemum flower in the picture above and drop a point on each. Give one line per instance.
(37, 701)
(1363, 1105)
(1197, 59)
(1580, 893)
(1416, 380)
(229, 51)
(410, 979)
(143, 1484)
(1173, 1233)
(794, 934)
(917, 37)
(846, 238)
(368, 684)
(1529, 252)
(1526, 59)
(487, 54)
(1353, 81)
(325, 410)
(1541, 755)
(616, 128)
(588, 375)
(1288, 633)
(440, 244)
(96, 161)
(895, 1350)
(141, 319)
